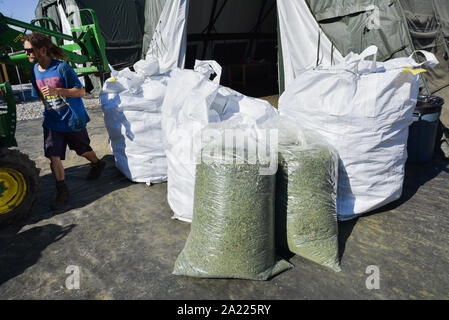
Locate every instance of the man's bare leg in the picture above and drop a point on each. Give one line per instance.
(91, 156)
(57, 168)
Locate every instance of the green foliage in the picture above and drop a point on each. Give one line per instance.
(232, 233)
(306, 210)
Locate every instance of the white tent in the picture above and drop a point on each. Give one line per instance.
(282, 36)
(207, 26)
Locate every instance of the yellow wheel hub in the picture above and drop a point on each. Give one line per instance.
(12, 189)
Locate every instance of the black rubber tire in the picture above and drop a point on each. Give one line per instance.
(20, 162)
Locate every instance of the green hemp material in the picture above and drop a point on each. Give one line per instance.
(306, 215)
(233, 227)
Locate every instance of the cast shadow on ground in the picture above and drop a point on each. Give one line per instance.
(19, 251)
(344, 232)
(81, 191)
(416, 175)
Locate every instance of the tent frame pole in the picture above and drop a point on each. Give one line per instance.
(281, 76)
(209, 28)
(256, 28)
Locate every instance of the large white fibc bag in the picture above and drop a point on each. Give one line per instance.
(185, 112)
(363, 108)
(131, 104)
(194, 102)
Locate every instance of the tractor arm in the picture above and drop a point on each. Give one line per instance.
(86, 48)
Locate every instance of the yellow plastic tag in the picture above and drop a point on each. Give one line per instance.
(415, 71)
(113, 79)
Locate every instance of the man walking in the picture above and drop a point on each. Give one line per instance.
(65, 117)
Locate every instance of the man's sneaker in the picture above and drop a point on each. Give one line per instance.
(62, 196)
(96, 169)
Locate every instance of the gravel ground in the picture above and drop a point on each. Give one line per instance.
(33, 109)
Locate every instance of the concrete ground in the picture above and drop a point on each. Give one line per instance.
(120, 236)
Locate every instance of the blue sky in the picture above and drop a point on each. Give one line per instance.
(22, 10)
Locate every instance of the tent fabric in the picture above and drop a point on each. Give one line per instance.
(153, 10)
(121, 24)
(397, 28)
(304, 49)
(168, 45)
(442, 8)
(355, 25)
(48, 8)
(328, 9)
(428, 22)
(425, 15)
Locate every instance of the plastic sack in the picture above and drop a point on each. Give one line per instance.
(306, 195)
(147, 68)
(193, 103)
(208, 68)
(363, 109)
(122, 80)
(232, 233)
(185, 111)
(132, 114)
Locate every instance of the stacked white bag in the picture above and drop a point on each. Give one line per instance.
(194, 102)
(131, 103)
(363, 108)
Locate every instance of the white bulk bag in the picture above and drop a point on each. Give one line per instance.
(363, 108)
(132, 114)
(194, 102)
(185, 112)
(147, 68)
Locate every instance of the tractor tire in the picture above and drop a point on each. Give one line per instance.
(19, 186)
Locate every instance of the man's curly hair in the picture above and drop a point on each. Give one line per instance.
(39, 40)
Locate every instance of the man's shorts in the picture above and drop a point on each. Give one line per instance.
(55, 143)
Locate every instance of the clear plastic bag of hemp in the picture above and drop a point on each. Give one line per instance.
(233, 228)
(306, 195)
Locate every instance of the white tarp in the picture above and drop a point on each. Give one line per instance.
(302, 39)
(66, 29)
(168, 45)
(363, 109)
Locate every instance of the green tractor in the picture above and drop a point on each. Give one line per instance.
(19, 177)
(85, 50)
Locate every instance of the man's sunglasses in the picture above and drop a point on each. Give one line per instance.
(28, 50)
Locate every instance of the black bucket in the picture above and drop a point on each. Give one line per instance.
(423, 131)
